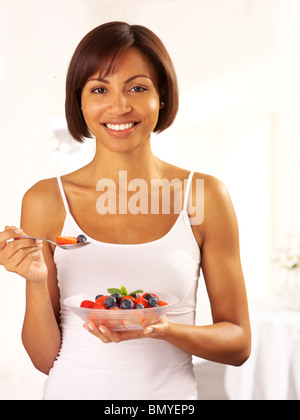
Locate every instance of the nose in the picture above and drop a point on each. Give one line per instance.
(119, 105)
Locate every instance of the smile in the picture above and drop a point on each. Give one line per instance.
(120, 127)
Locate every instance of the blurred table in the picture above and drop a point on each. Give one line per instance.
(273, 370)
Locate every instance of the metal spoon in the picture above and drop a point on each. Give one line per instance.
(66, 246)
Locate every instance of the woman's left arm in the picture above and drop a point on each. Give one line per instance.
(228, 340)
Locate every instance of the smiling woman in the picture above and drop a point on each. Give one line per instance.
(121, 86)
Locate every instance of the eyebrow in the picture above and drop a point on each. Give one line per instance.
(99, 79)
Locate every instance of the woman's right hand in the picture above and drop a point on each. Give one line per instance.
(22, 256)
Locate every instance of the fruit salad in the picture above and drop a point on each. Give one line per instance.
(117, 299)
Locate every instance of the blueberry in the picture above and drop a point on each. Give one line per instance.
(148, 296)
(110, 301)
(153, 301)
(117, 296)
(126, 304)
(81, 239)
(134, 295)
(98, 296)
(139, 306)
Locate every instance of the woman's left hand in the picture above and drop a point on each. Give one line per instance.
(158, 330)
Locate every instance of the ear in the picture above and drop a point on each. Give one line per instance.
(162, 95)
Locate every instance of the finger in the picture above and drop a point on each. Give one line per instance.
(108, 336)
(149, 330)
(117, 337)
(24, 266)
(112, 336)
(158, 329)
(26, 255)
(27, 245)
(94, 330)
(10, 232)
(14, 230)
(152, 331)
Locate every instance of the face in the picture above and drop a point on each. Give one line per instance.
(121, 110)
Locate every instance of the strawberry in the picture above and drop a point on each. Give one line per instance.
(162, 303)
(99, 306)
(142, 300)
(101, 299)
(87, 304)
(64, 240)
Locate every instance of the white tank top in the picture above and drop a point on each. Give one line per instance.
(140, 369)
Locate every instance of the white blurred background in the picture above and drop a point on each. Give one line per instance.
(238, 65)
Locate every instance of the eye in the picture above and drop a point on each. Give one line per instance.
(99, 90)
(138, 89)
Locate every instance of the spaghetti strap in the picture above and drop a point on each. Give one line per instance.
(187, 190)
(63, 195)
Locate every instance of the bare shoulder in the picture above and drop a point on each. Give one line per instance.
(41, 206)
(216, 193)
(206, 190)
(213, 185)
(219, 216)
(42, 197)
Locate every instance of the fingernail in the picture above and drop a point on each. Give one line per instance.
(149, 330)
(88, 327)
(18, 231)
(102, 329)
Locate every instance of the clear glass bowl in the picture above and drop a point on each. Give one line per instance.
(122, 319)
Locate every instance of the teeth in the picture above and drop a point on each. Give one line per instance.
(121, 127)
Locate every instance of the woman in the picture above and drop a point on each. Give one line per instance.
(121, 87)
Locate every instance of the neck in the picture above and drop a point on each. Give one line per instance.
(138, 163)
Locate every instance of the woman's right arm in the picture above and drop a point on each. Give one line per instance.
(41, 335)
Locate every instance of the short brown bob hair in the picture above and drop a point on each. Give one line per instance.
(100, 50)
